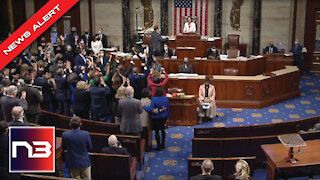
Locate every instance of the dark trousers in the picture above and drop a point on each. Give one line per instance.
(158, 124)
(33, 118)
(63, 107)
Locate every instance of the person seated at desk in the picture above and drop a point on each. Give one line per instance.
(186, 67)
(207, 102)
(242, 171)
(114, 147)
(167, 52)
(270, 49)
(206, 168)
(189, 26)
(213, 53)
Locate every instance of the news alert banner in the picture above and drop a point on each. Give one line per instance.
(32, 29)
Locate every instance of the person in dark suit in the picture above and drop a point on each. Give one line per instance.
(167, 52)
(186, 67)
(213, 53)
(99, 101)
(114, 147)
(130, 109)
(80, 59)
(10, 100)
(157, 41)
(4, 154)
(270, 49)
(47, 85)
(74, 38)
(207, 168)
(101, 61)
(296, 52)
(82, 100)
(62, 93)
(34, 98)
(145, 49)
(160, 111)
(77, 143)
(87, 38)
(103, 38)
(136, 81)
(18, 117)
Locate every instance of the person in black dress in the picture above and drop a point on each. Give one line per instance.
(82, 100)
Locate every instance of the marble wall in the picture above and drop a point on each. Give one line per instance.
(276, 23)
(108, 15)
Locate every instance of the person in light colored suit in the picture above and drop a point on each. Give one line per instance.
(189, 26)
(207, 94)
(130, 109)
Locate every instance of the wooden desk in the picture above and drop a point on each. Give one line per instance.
(183, 111)
(246, 91)
(277, 61)
(193, 40)
(275, 153)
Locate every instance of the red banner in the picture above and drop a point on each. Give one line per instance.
(32, 29)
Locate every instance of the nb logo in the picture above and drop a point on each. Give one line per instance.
(45, 151)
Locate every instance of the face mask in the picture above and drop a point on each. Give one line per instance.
(101, 54)
(165, 48)
(185, 62)
(84, 53)
(99, 32)
(296, 42)
(86, 33)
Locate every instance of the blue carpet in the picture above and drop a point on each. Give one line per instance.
(172, 163)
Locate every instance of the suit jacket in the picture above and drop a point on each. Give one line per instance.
(87, 40)
(99, 103)
(77, 143)
(79, 61)
(34, 98)
(211, 93)
(4, 151)
(268, 48)
(114, 150)
(189, 28)
(206, 177)
(211, 54)
(158, 103)
(182, 69)
(170, 53)
(46, 88)
(157, 41)
(7, 104)
(130, 110)
(103, 40)
(62, 88)
(18, 123)
(296, 50)
(82, 100)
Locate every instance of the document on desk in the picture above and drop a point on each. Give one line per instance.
(186, 48)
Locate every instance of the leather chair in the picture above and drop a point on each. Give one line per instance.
(233, 41)
(231, 72)
(233, 53)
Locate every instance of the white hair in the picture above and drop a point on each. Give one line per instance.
(129, 91)
(113, 141)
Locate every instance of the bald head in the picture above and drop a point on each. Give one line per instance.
(129, 91)
(207, 166)
(113, 141)
(17, 113)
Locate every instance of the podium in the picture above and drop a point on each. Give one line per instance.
(291, 141)
(191, 45)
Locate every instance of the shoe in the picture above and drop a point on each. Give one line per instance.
(217, 116)
(158, 149)
(163, 146)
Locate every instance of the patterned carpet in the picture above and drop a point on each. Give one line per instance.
(172, 163)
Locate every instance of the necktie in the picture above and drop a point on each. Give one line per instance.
(270, 50)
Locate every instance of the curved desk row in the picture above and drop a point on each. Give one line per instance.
(246, 91)
(248, 67)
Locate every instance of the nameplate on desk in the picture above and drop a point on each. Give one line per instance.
(186, 48)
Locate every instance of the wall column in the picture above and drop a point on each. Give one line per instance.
(126, 25)
(256, 27)
(164, 17)
(217, 18)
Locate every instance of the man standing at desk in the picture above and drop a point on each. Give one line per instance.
(296, 52)
(157, 41)
(270, 49)
(189, 26)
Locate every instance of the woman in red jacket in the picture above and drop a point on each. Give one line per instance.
(156, 81)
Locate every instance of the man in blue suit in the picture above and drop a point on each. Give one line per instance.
(77, 143)
(296, 52)
(80, 60)
(99, 100)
